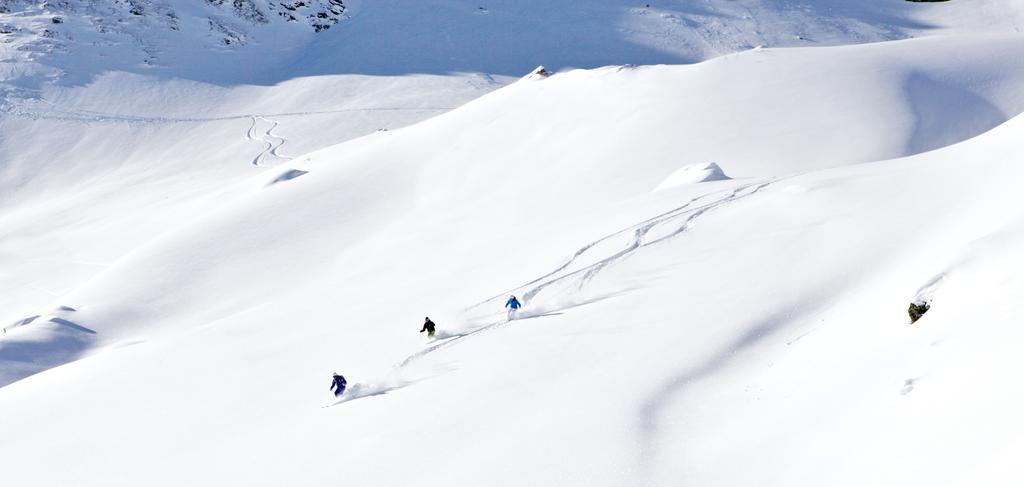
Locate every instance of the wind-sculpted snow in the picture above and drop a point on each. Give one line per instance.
(694, 173)
(936, 104)
(37, 343)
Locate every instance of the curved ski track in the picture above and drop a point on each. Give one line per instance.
(652, 231)
(273, 142)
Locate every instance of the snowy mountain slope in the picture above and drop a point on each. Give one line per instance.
(257, 41)
(81, 138)
(72, 166)
(786, 123)
(71, 41)
(426, 415)
(756, 321)
(743, 331)
(524, 34)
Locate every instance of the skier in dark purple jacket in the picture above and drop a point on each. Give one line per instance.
(338, 386)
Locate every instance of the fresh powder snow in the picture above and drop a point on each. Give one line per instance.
(716, 214)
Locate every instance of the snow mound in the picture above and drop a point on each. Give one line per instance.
(39, 342)
(540, 72)
(694, 173)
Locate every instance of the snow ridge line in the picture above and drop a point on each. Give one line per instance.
(100, 117)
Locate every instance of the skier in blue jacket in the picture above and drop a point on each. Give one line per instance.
(513, 305)
(338, 386)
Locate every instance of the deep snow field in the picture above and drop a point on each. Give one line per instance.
(716, 213)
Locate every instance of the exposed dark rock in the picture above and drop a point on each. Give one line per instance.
(917, 310)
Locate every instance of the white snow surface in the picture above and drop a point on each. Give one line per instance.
(189, 247)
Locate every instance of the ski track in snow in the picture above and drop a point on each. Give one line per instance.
(448, 339)
(272, 142)
(677, 221)
(639, 236)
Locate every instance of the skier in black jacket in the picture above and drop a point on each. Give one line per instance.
(428, 326)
